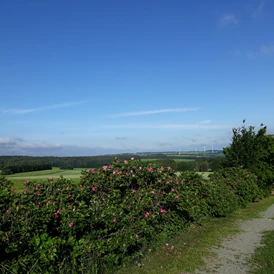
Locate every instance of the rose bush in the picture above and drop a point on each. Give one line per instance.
(113, 216)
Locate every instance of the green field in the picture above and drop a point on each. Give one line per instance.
(19, 178)
(176, 159)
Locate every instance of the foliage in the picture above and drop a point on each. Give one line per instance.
(110, 219)
(254, 151)
(17, 168)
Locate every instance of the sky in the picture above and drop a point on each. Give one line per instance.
(92, 77)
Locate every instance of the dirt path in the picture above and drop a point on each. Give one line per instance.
(233, 255)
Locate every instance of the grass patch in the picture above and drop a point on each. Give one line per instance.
(42, 175)
(185, 253)
(263, 258)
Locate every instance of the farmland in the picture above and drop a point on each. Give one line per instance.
(19, 178)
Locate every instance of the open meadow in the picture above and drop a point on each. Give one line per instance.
(18, 179)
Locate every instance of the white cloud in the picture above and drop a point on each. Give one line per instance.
(205, 122)
(267, 50)
(258, 11)
(227, 19)
(167, 126)
(28, 110)
(150, 112)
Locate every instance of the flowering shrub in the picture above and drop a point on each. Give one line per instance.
(113, 215)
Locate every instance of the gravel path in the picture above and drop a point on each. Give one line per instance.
(234, 253)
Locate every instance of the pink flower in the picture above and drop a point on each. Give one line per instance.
(152, 192)
(69, 195)
(105, 168)
(137, 236)
(172, 247)
(163, 211)
(27, 181)
(150, 169)
(203, 182)
(71, 224)
(93, 188)
(25, 191)
(12, 190)
(56, 215)
(51, 177)
(8, 211)
(125, 161)
(149, 250)
(58, 211)
(176, 183)
(133, 190)
(37, 192)
(6, 232)
(37, 186)
(163, 192)
(147, 214)
(168, 183)
(176, 197)
(132, 159)
(173, 190)
(114, 220)
(140, 167)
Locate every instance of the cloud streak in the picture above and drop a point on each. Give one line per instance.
(42, 108)
(167, 126)
(151, 112)
(259, 10)
(227, 19)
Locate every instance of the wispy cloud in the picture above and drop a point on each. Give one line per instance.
(267, 50)
(258, 11)
(166, 126)
(55, 106)
(151, 112)
(227, 19)
(205, 122)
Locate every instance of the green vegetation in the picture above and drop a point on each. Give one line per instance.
(196, 243)
(111, 218)
(254, 151)
(263, 259)
(18, 179)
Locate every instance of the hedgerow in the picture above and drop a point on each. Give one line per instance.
(111, 218)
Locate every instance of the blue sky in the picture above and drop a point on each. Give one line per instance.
(98, 77)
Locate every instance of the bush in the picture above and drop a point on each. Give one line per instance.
(107, 220)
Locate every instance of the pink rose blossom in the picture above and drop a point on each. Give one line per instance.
(152, 192)
(132, 158)
(25, 191)
(150, 169)
(8, 211)
(51, 177)
(27, 181)
(163, 211)
(163, 192)
(71, 224)
(114, 220)
(137, 236)
(176, 197)
(133, 190)
(147, 214)
(6, 232)
(68, 195)
(93, 188)
(37, 192)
